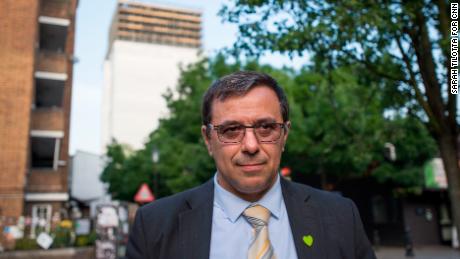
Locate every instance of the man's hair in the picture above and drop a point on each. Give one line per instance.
(238, 84)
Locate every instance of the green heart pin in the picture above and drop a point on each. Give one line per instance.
(308, 240)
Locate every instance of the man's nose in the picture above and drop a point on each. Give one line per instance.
(250, 144)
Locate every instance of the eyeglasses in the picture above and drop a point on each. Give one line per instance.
(266, 132)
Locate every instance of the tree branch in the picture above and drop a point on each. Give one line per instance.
(427, 67)
(374, 69)
(413, 83)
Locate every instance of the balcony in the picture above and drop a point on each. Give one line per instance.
(56, 8)
(46, 181)
(51, 61)
(48, 119)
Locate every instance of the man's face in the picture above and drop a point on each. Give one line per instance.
(247, 169)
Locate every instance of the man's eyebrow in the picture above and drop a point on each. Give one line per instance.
(258, 121)
(265, 120)
(230, 122)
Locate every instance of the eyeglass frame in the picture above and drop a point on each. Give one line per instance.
(216, 128)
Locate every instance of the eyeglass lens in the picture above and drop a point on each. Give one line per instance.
(266, 132)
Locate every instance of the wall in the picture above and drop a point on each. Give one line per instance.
(18, 27)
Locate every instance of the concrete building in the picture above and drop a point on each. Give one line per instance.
(147, 43)
(36, 53)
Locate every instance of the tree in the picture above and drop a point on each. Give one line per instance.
(126, 170)
(403, 41)
(339, 129)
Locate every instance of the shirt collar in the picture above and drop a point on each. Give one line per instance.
(233, 206)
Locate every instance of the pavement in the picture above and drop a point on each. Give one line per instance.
(428, 252)
(55, 253)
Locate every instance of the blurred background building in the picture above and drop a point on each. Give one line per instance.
(147, 44)
(84, 184)
(36, 49)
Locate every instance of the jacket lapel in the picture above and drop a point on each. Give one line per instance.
(305, 221)
(195, 224)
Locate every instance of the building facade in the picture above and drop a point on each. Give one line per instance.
(147, 45)
(36, 49)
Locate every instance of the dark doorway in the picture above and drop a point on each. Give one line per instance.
(422, 219)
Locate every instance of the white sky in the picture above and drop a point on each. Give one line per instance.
(92, 27)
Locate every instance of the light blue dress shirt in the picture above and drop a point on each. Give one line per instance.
(232, 234)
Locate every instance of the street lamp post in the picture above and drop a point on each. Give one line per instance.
(155, 158)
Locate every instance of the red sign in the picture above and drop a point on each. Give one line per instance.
(144, 194)
(285, 171)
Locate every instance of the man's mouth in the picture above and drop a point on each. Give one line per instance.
(251, 167)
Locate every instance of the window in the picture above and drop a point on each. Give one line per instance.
(41, 219)
(49, 93)
(45, 147)
(53, 34)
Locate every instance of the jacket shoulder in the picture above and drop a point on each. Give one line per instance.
(174, 204)
(330, 203)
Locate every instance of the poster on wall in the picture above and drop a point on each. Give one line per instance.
(435, 175)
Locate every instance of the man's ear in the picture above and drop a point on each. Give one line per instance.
(207, 139)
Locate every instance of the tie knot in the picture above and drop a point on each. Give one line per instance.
(257, 215)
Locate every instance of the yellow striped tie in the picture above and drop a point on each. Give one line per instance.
(258, 217)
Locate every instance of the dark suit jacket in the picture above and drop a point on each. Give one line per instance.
(179, 226)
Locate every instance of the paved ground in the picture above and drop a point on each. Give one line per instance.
(382, 253)
(420, 253)
(61, 253)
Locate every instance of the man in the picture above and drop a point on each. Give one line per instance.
(247, 210)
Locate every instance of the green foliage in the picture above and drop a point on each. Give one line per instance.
(339, 128)
(336, 122)
(86, 240)
(26, 244)
(414, 147)
(126, 170)
(62, 237)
